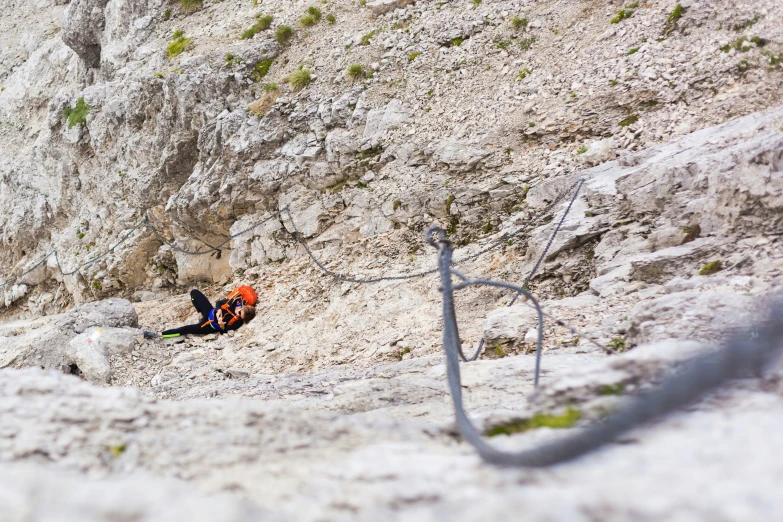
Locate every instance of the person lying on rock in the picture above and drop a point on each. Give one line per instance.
(227, 314)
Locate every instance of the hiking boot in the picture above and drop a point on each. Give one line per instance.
(150, 335)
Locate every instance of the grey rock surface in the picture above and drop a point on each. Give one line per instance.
(121, 115)
(45, 343)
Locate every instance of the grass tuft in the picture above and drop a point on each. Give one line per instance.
(262, 24)
(527, 43)
(300, 79)
(621, 15)
(261, 69)
(314, 12)
(365, 40)
(612, 389)
(617, 344)
(118, 450)
(260, 107)
(672, 19)
(178, 44)
(188, 6)
(283, 34)
(354, 71)
(519, 23)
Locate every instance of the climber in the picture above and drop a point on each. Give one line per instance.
(227, 314)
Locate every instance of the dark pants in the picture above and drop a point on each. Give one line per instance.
(202, 306)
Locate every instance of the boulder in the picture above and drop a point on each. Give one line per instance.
(509, 324)
(46, 342)
(459, 156)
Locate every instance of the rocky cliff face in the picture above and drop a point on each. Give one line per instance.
(134, 130)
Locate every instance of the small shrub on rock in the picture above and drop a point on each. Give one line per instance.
(633, 118)
(77, 115)
(330, 18)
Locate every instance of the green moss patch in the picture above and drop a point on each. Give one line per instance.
(633, 118)
(77, 115)
(568, 419)
(710, 268)
(611, 389)
(261, 69)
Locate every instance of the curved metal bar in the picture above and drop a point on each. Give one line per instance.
(520, 290)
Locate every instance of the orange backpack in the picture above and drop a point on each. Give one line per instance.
(244, 292)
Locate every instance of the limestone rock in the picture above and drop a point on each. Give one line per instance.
(82, 24)
(381, 120)
(699, 316)
(379, 7)
(45, 343)
(459, 157)
(509, 324)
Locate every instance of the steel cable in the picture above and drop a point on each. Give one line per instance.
(738, 357)
(211, 249)
(367, 280)
(578, 186)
